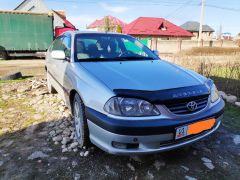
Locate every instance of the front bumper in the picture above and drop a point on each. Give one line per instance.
(150, 136)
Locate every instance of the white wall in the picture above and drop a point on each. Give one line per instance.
(38, 6)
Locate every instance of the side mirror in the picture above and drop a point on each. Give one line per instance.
(156, 52)
(58, 55)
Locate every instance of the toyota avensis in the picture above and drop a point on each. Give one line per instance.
(125, 99)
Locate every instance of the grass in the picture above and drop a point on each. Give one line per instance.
(224, 71)
(232, 117)
(16, 80)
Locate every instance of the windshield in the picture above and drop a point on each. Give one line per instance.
(110, 47)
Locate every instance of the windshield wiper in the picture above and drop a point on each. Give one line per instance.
(136, 58)
(116, 58)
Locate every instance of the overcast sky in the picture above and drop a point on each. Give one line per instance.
(83, 12)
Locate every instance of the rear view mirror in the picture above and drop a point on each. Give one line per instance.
(58, 55)
(156, 52)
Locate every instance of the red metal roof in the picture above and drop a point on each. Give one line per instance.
(149, 26)
(99, 23)
(67, 23)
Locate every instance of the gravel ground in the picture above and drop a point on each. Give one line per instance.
(37, 140)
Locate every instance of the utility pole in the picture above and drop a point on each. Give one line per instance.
(201, 24)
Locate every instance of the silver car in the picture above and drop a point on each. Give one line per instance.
(125, 99)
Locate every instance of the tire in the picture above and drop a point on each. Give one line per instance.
(80, 121)
(4, 55)
(51, 89)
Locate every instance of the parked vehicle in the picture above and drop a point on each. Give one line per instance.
(125, 99)
(24, 33)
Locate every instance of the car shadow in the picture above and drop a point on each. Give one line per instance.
(17, 147)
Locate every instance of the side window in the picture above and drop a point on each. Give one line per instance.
(62, 43)
(66, 41)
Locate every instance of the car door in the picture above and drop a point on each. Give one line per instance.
(59, 66)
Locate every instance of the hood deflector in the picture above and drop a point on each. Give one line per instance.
(167, 95)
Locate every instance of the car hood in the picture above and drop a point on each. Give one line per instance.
(142, 75)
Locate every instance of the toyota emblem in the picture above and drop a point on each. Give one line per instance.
(192, 106)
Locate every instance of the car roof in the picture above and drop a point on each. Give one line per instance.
(91, 32)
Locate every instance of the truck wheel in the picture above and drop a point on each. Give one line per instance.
(3, 55)
(80, 121)
(51, 89)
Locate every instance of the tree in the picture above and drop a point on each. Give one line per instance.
(108, 27)
(119, 29)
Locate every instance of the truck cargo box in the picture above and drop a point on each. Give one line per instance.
(25, 31)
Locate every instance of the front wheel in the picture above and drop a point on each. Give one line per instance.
(80, 121)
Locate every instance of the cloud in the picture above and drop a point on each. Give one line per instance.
(113, 9)
(81, 21)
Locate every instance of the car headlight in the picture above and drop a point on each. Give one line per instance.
(214, 94)
(130, 107)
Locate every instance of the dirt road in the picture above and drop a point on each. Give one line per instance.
(28, 67)
(28, 115)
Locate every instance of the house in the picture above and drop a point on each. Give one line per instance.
(193, 27)
(107, 23)
(158, 28)
(61, 23)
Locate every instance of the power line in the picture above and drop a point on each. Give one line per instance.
(150, 3)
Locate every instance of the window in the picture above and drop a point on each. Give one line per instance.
(62, 43)
(109, 47)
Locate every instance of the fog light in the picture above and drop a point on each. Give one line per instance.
(119, 145)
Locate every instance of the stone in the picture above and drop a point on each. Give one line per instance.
(86, 154)
(131, 167)
(222, 94)
(66, 140)
(67, 132)
(206, 150)
(1, 163)
(236, 139)
(81, 153)
(185, 168)
(64, 158)
(57, 138)
(237, 104)
(77, 176)
(74, 164)
(159, 164)
(40, 92)
(209, 165)
(150, 175)
(56, 142)
(74, 145)
(231, 99)
(23, 89)
(136, 158)
(206, 160)
(52, 133)
(190, 178)
(1, 111)
(58, 131)
(75, 150)
(64, 150)
(37, 154)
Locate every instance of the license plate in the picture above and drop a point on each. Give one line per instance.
(194, 128)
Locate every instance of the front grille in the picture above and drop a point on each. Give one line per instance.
(181, 108)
